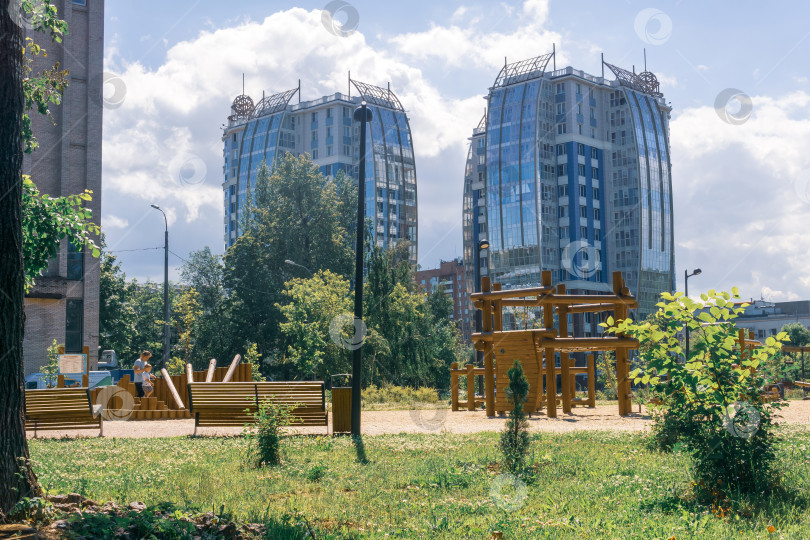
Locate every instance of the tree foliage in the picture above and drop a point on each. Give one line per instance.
(712, 401)
(515, 440)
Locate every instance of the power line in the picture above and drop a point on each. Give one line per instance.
(138, 249)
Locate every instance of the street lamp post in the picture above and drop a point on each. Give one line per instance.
(362, 114)
(686, 277)
(166, 323)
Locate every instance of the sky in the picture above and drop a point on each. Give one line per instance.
(735, 75)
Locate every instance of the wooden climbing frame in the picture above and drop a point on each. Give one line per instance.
(536, 349)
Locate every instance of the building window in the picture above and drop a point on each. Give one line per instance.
(583, 232)
(597, 234)
(314, 135)
(561, 150)
(582, 191)
(562, 170)
(314, 153)
(579, 128)
(560, 88)
(328, 150)
(80, 2)
(314, 117)
(74, 315)
(75, 262)
(234, 137)
(579, 89)
(579, 107)
(328, 131)
(561, 129)
(596, 214)
(346, 112)
(594, 153)
(581, 149)
(563, 190)
(329, 112)
(596, 193)
(583, 211)
(563, 211)
(594, 172)
(581, 169)
(560, 108)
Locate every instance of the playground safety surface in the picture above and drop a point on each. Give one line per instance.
(603, 418)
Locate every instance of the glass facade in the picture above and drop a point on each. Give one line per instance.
(324, 129)
(576, 179)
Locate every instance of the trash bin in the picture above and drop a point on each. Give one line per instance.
(342, 403)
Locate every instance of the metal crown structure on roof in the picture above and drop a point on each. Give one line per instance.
(378, 96)
(272, 104)
(645, 82)
(524, 70)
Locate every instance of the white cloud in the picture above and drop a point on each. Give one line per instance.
(742, 197)
(111, 221)
(475, 45)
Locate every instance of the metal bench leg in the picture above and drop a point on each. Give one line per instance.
(100, 426)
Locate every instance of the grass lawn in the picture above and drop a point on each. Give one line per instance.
(586, 485)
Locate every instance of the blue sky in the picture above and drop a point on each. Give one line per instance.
(742, 190)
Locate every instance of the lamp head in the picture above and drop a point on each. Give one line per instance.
(483, 244)
(288, 261)
(697, 271)
(156, 207)
(362, 113)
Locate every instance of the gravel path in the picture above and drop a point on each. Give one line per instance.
(603, 417)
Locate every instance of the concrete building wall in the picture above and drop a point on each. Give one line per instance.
(68, 161)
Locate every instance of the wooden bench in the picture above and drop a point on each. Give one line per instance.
(60, 408)
(233, 403)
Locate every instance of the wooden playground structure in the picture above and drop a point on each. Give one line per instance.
(168, 401)
(537, 349)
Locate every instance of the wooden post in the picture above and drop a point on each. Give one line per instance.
(591, 381)
(548, 324)
(565, 375)
(470, 388)
(229, 375)
(551, 383)
(189, 373)
(622, 354)
(60, 381)
(212, 367)
(85, 381)
(454, 386)
(172, 390)
(489, 363)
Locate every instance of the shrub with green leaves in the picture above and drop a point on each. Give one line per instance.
(515, 438)
(264, 435)
(711, 403)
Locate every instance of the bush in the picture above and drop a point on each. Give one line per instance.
(515, 438)
(399, 394)
(264, 435)
(711, 402)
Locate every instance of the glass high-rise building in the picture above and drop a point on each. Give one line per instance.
(570, 172)
(324, 129)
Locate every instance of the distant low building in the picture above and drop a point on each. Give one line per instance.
(450, 276)
(767, 318)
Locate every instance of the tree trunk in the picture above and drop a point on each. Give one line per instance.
(17, 478)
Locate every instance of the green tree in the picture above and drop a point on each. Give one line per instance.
(30, 224)
(712, 401)
(116, 319)
(515, 441)
(313, 306)
(187, 312)
(204, 271)
(51, 368)
(780, 369)
(297, 215)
